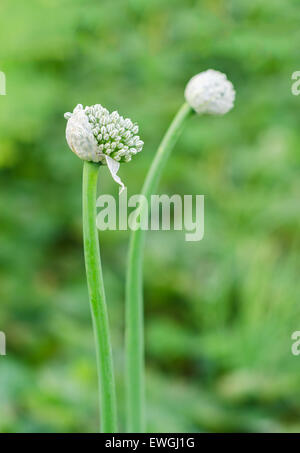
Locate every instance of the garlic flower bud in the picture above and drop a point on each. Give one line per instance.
(96, 135)
(210, 92)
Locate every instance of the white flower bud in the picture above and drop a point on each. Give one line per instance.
(210, 92)
(92, 133)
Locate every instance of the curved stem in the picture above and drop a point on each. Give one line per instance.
(134, 285)
(97, 299)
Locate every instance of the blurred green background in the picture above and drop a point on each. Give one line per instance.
(220, 312)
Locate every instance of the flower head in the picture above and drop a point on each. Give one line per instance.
(96, 135)
(210, 92)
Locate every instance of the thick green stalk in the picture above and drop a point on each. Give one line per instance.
(97, 300)
(135, 398)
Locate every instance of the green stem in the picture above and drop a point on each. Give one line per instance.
(135, 398)
(97, 300)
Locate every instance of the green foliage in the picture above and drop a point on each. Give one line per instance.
(219, 313)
